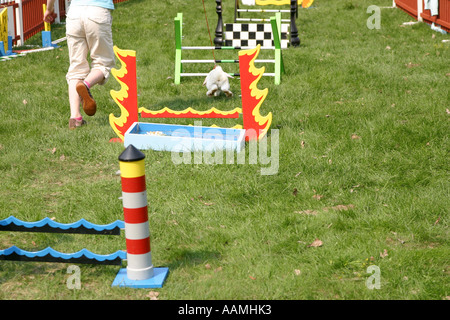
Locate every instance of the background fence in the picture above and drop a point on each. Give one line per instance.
(25, 17)
(416, 8)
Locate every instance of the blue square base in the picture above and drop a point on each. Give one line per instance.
(159, 276)
(47, 40)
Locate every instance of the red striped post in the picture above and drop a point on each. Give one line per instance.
(140, 272)
(134, 198)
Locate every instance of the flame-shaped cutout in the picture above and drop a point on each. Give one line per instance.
(255, 124)
(189, 113)
(126, 97)
(307, 3)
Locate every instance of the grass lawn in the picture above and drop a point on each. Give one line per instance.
(362, 121)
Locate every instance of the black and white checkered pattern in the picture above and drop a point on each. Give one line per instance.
(252, 34)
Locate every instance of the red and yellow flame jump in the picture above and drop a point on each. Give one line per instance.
(126, 97)
(254, 123)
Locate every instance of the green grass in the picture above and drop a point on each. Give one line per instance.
(363, 165)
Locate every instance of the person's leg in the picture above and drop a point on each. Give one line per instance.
(74, 99)
(79, 66)
(83, 89)
(94, 77)
(99, 39)
(76, 119)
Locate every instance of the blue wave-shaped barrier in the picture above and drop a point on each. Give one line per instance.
(50, 255)
(50, 226)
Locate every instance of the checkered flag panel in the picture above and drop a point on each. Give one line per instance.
(252, 34)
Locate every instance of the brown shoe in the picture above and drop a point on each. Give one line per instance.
(74, 123)
(89, 104)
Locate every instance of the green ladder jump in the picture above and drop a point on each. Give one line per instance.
(278, 59)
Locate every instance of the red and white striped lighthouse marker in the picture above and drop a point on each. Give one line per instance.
(140, 272)
(137, 232)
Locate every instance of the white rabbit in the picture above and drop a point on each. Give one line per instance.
(217, 81)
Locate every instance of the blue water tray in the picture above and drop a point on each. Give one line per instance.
(180, 138)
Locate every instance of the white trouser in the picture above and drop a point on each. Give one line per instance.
(88, 31)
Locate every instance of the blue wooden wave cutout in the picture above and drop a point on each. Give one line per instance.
(48, 225)
(50, 255)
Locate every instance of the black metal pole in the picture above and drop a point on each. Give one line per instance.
(295, 41)
(218, 40)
